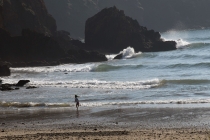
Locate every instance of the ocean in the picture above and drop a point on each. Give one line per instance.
(172, 79)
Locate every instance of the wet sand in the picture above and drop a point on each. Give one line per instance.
(106, 123)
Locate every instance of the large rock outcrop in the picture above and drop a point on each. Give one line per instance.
(22, 14)
(110, 31)
(28, 37)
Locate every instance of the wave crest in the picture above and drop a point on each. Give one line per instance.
(92, 104)
(181, 43)
(127, 53)
(101, 84)
(61, 68)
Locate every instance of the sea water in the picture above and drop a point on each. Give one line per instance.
(179, 78)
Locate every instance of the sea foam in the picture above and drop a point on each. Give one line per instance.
(96, 84)
(103, 103)
(60, 68)
(129, 52)
(181, 43)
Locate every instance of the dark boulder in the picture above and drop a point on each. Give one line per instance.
(31, 87)
(6, 87)
(110, 31)
(22, 83)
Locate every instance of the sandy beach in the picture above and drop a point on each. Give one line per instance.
(106, 123)
(166, 134)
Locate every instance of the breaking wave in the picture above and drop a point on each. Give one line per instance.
(61, 68)
(127, 53)
(95, 84)
(92, 104)
(74, 68)
(181, 43)
(130, 53)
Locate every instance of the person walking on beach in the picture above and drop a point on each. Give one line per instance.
(77, 101)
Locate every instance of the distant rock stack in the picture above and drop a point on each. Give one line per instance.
(110, 31)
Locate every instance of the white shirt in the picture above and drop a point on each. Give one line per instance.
(76, 99)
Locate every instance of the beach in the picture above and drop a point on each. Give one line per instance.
(160, 95)
(106, 123)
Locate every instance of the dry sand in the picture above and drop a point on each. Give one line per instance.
(118, 123)
(74, 134)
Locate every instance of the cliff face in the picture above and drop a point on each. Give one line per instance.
(28, 37)
(160, 15)
(1, 13)
(111, 31)
(22, 14)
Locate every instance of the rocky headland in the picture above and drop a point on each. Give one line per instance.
(29, 37)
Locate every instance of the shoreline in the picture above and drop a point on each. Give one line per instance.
(106, 123)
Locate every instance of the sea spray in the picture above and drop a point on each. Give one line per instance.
(130, 53)
(127, 53)
(181, 43)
